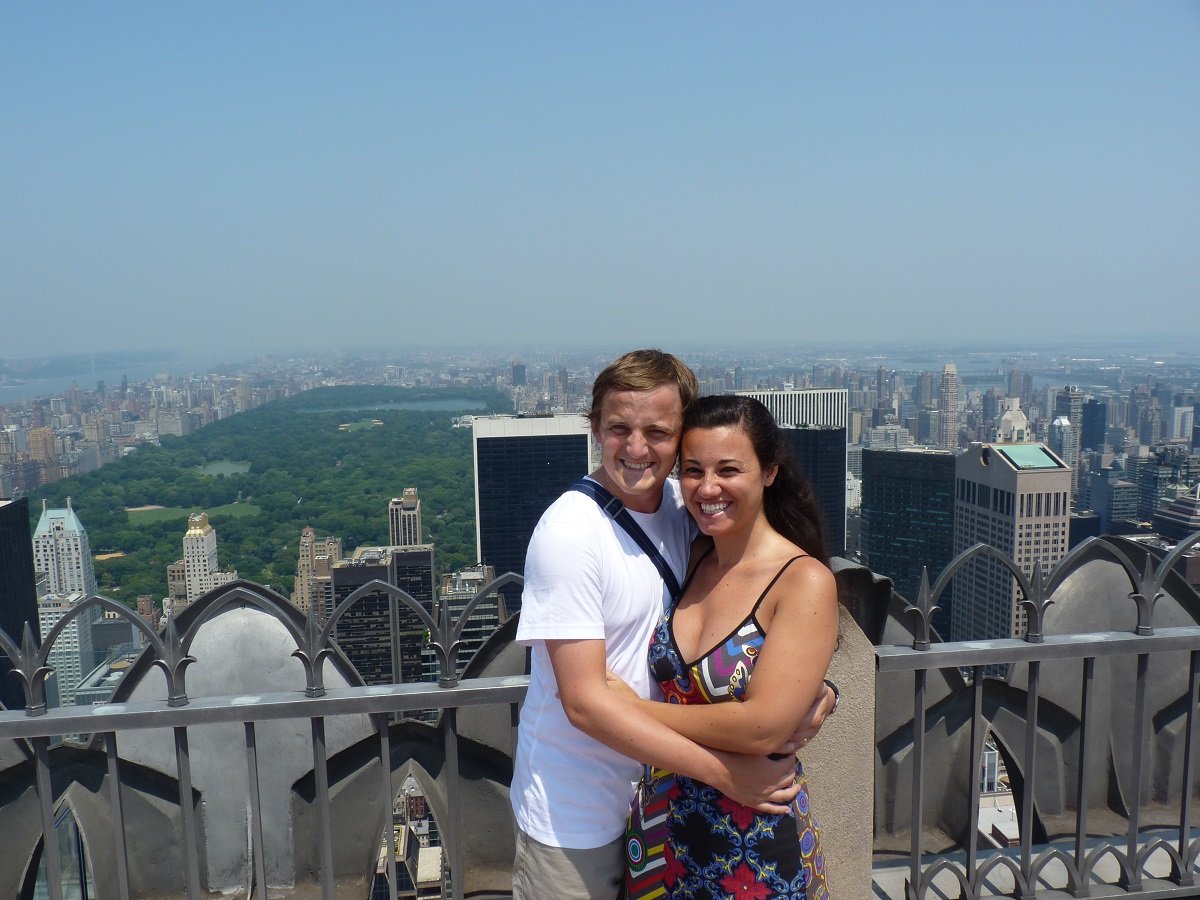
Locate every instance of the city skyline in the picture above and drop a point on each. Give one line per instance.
(217, 179)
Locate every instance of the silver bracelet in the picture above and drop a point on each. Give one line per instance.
(837, 697)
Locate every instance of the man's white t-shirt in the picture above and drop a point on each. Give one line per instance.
(586, 578)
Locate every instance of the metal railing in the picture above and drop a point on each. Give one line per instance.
(1080, 858)
(315, 645)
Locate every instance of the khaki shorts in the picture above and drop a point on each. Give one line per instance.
(542, 872)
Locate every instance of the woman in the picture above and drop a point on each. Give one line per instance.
(759, 601)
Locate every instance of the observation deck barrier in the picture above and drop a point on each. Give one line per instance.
(1060, 753)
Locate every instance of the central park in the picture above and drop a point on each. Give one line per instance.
(330, 458)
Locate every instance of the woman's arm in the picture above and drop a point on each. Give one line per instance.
(787, 677)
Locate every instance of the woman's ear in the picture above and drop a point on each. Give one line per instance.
(769, 476)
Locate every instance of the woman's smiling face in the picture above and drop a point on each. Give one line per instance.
(722, 479)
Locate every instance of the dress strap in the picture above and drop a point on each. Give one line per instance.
(778, 575)
(691, 574)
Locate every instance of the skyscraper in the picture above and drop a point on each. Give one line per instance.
(62, 553)
(521, 465)
(948, 406)
(1017, 499)
(315, 557)
(1094, 417)
(908, 519)
(1063, 440)
(455, 593)
(41, 449)
(382, 637)
(71, 654)
(18, 596)
(820, 454)
(404, 519)
(826, 406)
(200, 566)
(1069, 402)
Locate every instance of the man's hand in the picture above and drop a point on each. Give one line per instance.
(765, 784)
(812, 722)
(619, 687)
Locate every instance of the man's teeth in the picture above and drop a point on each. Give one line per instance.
(711, 509)
(638, 466)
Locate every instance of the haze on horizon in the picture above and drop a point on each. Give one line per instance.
(252, 177)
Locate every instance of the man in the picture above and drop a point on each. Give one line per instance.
(591, 601)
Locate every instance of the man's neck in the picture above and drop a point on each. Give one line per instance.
(643, 503)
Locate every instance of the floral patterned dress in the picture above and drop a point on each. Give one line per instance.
(718, 849)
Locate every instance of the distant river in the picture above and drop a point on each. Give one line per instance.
(58, 385)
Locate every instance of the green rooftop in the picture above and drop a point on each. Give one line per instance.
(1028, 456)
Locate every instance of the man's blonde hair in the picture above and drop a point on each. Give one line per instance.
(644, 370)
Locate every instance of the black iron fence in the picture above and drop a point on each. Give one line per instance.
(35, 728)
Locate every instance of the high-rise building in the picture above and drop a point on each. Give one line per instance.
(382, 637)
(200, 566)
(1063, 440)
(827, 406)
(62, 553)
(1179, 423)
(18, 596)
(908, 519)
(41, 449)
(1113, 497)
(455, 593)
(948, 406)
(1069, 402)
(521, 465)
(313, 561)
(1017, 499)
(404, 519)
(71, 654)
(1095, 424)
(820, 454)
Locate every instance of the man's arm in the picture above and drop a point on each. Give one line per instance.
(579, 668)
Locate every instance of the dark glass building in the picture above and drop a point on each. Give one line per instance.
(820, 453)
(522, 464)
(908, 519)
(18, 591)
(384, 638)
(1095, 425)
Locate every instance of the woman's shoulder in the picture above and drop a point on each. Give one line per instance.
(798, 569)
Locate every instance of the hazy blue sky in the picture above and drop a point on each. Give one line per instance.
(259, 175)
